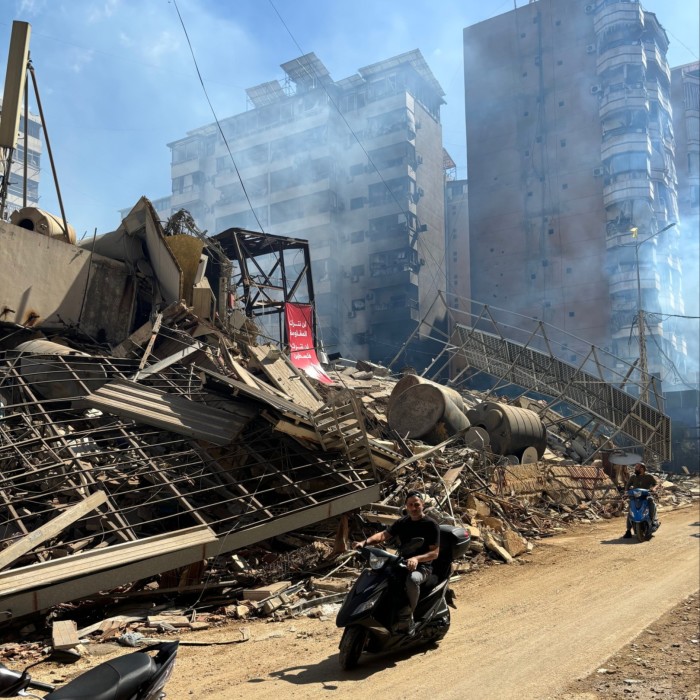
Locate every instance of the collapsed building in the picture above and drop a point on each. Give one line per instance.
(162, 404)
(148, 422)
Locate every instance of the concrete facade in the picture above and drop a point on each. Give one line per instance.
(572, 174)
(353, 166)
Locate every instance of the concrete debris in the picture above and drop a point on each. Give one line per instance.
(152, 448)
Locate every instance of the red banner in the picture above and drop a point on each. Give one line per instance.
(299, 320)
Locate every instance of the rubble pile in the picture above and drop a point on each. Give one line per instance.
(155, 446)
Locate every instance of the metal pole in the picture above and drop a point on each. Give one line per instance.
(30, 68)
(643, 365)
(643, 369)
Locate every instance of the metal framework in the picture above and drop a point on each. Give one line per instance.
(599, 391)
(271, 271)
(55, 453)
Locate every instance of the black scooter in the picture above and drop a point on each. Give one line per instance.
(370, 611)
(136, 676)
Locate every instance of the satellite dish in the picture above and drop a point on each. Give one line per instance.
(625, 458)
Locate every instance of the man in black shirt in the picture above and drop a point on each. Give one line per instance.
(415, 524)
(641, 480)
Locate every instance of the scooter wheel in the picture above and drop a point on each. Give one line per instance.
(643, 531)
(351, 645)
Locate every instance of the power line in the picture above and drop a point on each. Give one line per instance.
(216, 119)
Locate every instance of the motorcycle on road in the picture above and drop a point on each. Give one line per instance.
(135, 676)
(370, 612)
(639, 515)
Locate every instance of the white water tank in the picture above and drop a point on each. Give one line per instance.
(34, 219)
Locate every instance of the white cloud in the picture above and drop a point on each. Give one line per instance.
(80, 58)
(98, 12)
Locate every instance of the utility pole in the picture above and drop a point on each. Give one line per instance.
(643, 364)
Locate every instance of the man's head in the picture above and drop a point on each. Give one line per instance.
(640, 468)
(414, 504)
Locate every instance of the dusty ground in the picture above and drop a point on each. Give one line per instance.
(663, 662)
(530, 630)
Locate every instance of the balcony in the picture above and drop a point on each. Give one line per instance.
(659, 94)
(620, 13)
(629, 188)
(618, 143)
(654, 56)
(627, 281)
(400, 278)
(622, 97)
(618, 56)
(386, 313)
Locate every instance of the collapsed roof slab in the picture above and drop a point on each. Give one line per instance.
(55, 454)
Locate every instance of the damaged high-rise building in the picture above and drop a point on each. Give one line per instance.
(573, 204)
(24, 183)
(356, 167)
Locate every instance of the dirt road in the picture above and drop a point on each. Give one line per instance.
(523, 631)
(520, 631)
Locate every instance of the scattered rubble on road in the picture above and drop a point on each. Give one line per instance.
(165, 468)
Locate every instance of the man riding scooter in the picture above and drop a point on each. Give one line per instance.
(413, 525)
(641, 480)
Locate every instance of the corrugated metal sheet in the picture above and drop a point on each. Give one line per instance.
(179, 415)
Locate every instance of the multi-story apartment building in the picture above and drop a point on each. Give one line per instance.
(685, 100)
(457, 237)
(572, 174)
(356, 167)
(15, 186)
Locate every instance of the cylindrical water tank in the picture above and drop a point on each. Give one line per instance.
(34, 219)
(511, 429)
(55, 379)
(409, 380)
(426, 411)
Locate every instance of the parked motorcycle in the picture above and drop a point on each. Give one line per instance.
(136, 676)
(370, 611)
(639, 515)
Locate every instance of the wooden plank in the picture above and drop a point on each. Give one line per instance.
(285, 377)
(51, 529)
(44, 573)
(151, 341)
(64, 634)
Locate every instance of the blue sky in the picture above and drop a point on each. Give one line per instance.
(117, 81)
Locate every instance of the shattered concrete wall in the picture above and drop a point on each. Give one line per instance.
(49, 283)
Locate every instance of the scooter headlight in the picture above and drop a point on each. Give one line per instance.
(376, 562)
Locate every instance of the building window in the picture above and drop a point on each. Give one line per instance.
(572, 314)
(357, 203)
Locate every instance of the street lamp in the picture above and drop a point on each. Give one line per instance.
(640, 312)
